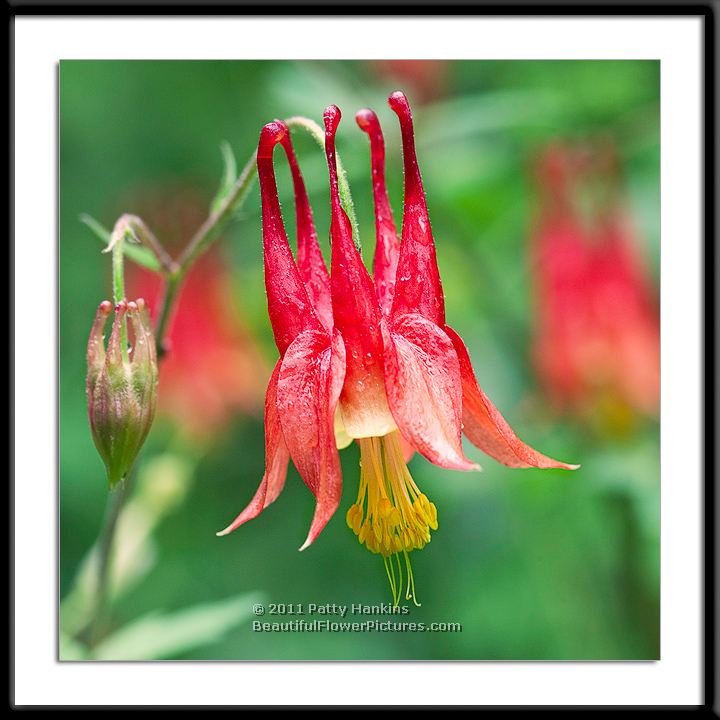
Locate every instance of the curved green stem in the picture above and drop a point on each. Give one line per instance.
(116, 502)
(209, 230)
(118, 271)
(116, 246)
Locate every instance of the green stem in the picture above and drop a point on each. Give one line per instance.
(118, 271)
(209, 230)
(116, 502)
(117, 242)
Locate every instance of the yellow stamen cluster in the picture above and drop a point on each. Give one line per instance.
(391, 515)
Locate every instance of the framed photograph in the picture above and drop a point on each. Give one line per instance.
(372, 341)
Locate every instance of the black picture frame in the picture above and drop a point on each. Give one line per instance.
(708, 12)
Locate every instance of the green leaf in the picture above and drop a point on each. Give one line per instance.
(158, 636)
(228, 179)
(137, 253)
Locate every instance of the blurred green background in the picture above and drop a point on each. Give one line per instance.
(534, 564)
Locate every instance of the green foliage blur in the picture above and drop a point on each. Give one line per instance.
(533, 564)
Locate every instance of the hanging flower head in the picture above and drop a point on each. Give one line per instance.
(367, 360)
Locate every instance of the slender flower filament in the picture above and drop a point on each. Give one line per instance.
(391, 517)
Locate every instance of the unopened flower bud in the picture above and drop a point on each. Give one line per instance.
(121, 386)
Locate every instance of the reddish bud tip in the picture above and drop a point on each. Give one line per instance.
(131, 306)
(399, 104)
(368, 122)
(105, 307)
(331, 116)
(140, 302)
(121, 307)
(365, 119)
(273, 133)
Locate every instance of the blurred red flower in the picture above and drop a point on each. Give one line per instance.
(597, 341)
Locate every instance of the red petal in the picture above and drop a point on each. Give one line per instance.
(355, 307)
(417, 287)
(309, 384)
(276, 459)
(485, 427)
(387, 244)
(309, 257)
(422, 378)
(289, 306)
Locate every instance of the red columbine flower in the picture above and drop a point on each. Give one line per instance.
(597, 345)
(367, 360)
